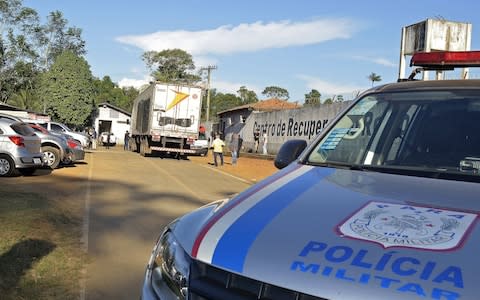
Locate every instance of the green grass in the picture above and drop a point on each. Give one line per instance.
(40, 251)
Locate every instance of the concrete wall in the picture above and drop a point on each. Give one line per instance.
(301, 123)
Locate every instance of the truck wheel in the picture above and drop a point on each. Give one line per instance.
(140, 148)
(51, 156)
(7, 166)
(137, 145)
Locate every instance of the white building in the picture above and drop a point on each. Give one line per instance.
(112, 119)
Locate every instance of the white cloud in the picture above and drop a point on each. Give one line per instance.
(377, 60)
(203, 61)
(245, 37)
(136, 83)
(328, 89)
(233, 87)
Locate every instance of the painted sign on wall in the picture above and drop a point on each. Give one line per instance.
(280, 126)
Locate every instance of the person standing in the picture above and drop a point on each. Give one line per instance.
(107, 144)
(125, 140)
(256, 139)
(94, 139)
(218, 145)
(265, 142)
(234, 147)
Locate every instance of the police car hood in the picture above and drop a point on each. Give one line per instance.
(343, 234)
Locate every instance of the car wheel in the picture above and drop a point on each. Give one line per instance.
(27, 171)
(7, 166)
(51, 156)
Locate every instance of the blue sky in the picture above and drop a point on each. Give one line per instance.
(331, 46)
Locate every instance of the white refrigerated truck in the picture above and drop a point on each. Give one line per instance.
(166, 119)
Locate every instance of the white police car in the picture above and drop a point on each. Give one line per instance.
(382, 205)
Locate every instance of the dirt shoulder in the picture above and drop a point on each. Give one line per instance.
(251, 169)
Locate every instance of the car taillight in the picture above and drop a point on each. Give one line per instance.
(17, 140)
(72, 144)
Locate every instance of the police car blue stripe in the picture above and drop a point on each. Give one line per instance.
(207, 240)
(233, 246)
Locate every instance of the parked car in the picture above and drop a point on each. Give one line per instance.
(54, 147)
(108, 138)
(10, 117)
(19, 148)
(200, 145)
(383, 204)
(84, 139)
(78, 153)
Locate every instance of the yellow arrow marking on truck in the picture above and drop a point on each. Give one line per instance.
(178, 98)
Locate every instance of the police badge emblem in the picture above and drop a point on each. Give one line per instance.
(397, 225)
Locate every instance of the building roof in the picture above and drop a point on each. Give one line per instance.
(115, 108)
(271, 104)
(7, 107)
(4, 106)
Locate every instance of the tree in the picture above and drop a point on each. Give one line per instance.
(67, 89)
(27, 48)
(220, 102)
(18, 26)
(26, 99)
(328, 101)
(276, 92)
(108, 91)
(56, 37)
(246, 95)
(373, 77)
(131, 93)
(171, 65)
(313, 98)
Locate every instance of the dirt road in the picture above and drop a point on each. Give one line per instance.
(129, 199)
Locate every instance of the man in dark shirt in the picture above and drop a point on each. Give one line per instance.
(256, 138)
(125, 140)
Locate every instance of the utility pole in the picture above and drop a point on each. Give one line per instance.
(209, 70)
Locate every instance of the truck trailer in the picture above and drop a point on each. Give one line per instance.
(166, 119)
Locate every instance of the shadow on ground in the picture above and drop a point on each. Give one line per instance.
(19, 259)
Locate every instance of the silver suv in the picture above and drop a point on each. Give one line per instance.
(54, 145)
(55, 148)
(19, 148)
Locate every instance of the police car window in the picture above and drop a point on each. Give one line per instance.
(429, 130)
(349, 139)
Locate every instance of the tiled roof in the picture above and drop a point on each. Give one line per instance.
(266, 105)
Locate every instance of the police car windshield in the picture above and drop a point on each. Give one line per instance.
(425, 130)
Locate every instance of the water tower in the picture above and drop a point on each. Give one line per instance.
(434, 35)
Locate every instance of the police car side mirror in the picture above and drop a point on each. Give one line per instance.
(289, 152)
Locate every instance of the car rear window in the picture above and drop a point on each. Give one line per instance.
(22, 129)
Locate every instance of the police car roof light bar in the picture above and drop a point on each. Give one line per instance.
(443, 60)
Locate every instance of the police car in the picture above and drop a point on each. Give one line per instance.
(382, 205)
